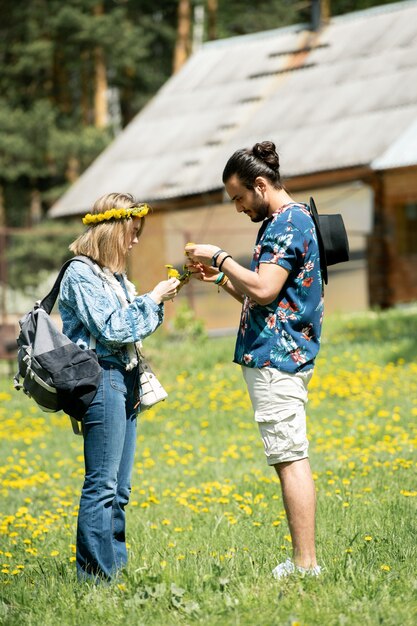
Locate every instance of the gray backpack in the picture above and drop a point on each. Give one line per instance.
(54, 371)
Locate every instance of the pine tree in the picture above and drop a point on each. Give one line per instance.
(58, 64)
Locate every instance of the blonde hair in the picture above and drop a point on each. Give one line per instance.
(107, 242)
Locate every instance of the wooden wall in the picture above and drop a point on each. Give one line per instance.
(167, 231)
(392, 275)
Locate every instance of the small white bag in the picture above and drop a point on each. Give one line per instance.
(151, 390)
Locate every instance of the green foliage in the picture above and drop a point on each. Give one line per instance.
(24, 140)
(186, 325)
(83, 145)
(48, 64)
(239, 17)
(33, 254)
(339, 7)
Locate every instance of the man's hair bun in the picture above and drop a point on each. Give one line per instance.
(266, 151)
(249, 163)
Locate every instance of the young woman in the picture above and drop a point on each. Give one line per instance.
(101, 310)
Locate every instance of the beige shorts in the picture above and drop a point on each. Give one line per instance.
(278, 400)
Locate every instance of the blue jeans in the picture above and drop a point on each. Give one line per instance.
(109, 446)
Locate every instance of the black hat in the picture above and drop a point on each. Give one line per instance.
(331, 237)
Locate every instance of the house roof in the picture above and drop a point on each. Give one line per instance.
(339, 98)
(402, 153)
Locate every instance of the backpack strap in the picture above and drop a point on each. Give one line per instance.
(47, 303)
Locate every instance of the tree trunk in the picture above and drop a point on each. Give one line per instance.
(61, 83)
(325, 11)
(2, 209)
(212, 6)
(183, 43)
(35, 208)
(198, 27)
(73, 169)
(100, 83)
(85, 101)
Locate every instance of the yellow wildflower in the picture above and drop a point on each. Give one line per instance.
(172, 272)
(97, 218)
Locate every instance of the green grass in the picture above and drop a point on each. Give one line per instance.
(206, 523)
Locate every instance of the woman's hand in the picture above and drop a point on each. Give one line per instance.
(165, 290)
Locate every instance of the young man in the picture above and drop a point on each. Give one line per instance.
(279, 333)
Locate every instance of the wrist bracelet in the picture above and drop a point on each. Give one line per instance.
(219, 278)
(222, 282)
(214, 257)
(228, 256)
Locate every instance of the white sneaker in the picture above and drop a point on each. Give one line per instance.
(287, 568)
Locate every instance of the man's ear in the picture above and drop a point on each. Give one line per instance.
(261, 183)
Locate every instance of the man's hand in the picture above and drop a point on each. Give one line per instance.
(199, 261)
(201, 252)
(199, 271)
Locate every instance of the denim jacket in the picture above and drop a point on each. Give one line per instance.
(89, 306)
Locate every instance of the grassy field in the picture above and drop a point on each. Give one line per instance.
(206, 523)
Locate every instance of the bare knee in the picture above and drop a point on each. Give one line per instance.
(288, 468)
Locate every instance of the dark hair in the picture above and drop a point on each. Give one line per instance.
(248, 164)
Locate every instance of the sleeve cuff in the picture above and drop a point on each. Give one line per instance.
(281, 262)
(155, 307)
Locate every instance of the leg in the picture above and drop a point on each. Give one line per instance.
(104, 437)
(279, 402)
(124, 487)
(299, 497)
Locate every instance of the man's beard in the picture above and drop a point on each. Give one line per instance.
(260, 207)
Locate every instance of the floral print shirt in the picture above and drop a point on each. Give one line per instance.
(285, 334)
(89, 306)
